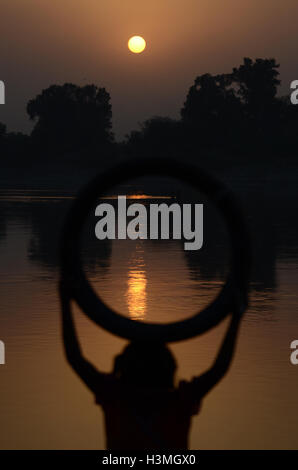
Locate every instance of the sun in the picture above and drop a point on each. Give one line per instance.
(136, 44)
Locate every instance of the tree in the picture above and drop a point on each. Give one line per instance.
(71, 117)
(258, 82)
(157, 135)
(212, 108)
(236, 109)
(2, 130)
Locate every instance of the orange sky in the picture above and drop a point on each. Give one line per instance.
(84, 41)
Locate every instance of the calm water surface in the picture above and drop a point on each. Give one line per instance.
(44, 405)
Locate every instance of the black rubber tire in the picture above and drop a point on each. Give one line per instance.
(234, 293)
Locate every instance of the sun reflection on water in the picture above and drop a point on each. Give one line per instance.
(136, 294)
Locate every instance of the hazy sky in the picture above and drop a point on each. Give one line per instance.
(43, 42)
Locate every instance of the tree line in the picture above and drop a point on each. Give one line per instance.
(235, 112)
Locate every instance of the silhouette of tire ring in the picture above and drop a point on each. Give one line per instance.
(233, 294)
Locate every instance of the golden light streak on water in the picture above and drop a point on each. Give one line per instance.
(136, 294)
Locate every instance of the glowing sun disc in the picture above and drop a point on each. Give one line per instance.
(136, 44)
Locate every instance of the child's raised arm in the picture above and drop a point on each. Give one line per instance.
(87, 372)
(204, 383)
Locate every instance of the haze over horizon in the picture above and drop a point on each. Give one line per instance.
(86, 42)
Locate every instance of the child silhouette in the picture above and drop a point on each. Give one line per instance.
(142, 407)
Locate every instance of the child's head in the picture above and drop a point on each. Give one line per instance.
(146, 364)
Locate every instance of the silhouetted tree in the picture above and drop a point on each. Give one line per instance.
(239, 108)
(2, 140)
(289, 124)
(257, 82)
(212, 109)
(231, 112)
(2, 130)
(161, 135)
(72, 117)
(14, 147)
